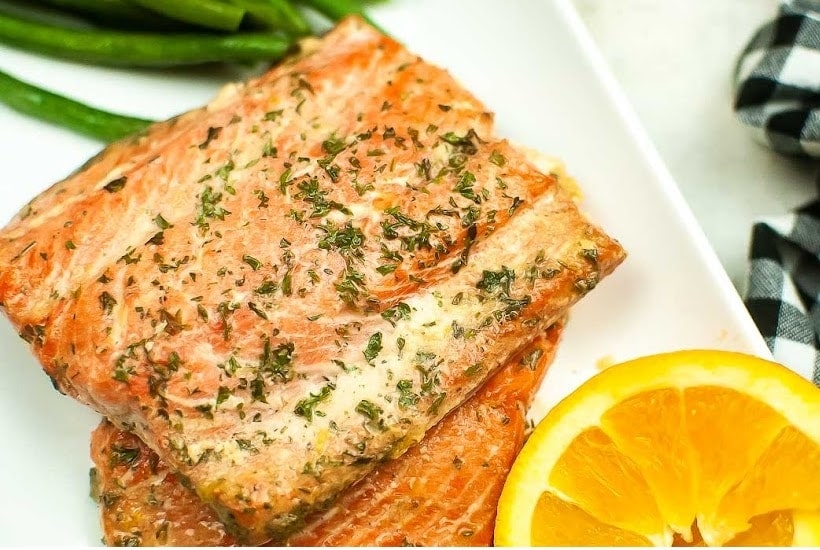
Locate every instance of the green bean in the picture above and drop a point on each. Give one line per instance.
(62, 111)
(292, 15)
(210, 14)
(115, 13)
(274, 14)
(139, 49)
(338, 9)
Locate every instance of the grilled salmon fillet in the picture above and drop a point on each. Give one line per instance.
(442, 492)
(283, 289)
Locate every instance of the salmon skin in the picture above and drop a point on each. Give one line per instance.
(282, 290)
(442, 492)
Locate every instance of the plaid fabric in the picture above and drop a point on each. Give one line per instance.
(778, 97)
(778, 80)
(784, 279)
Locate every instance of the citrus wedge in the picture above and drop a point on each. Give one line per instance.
(686, 448)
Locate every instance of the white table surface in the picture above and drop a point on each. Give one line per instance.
(674, 60)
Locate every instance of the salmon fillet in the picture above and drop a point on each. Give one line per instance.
(282, 290)
(442, 492)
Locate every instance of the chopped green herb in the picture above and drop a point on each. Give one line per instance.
(369, 410)
(116, 185)
(463, 144)
(206, 410)
(407, 398)
(340, 364)
(173, 323)
(374, 346)
(399, 312)
(465, 187)
(222, 395)
(388, 254)
(306, 407)
(590, 254)
(584, 285)
(258, 390)
(157, 239)
(470, 216)
(267, 287)
(209, 208)
(277, 362)
(213, 133)
(162, 223)
(474, 369)
(225, 170)
(512, 307)
(498, 159)
(410, 242)
(230, 366)
(263, 198)
(251, 261)
(107, 303)
(121, 372)
(246, 445)
(225, 310)
(386, 269)
(287, 282)
(269, 150)
(313, 194)
(334, 145)
(126, 540)
(347, 240)
(202, 312)
(285, 180)
(436, 404)
(493, 280)
(362, 188)
(123, 456)
(253, 307)
(514, 206)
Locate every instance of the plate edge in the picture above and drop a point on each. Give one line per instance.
(667, 182)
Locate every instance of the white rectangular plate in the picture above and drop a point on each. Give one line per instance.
(533, 63)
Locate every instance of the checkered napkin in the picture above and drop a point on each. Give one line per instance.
(778, 98)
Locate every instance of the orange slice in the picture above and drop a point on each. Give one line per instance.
(687, 448)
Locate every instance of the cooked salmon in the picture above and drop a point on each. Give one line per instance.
(142, 502)
(442, 492)
(282, 290)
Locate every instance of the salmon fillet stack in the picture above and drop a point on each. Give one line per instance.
(442, 492)
(282, 290)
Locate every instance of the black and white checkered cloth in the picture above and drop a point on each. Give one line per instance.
(778, 98)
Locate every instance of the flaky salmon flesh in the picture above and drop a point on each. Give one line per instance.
(442, 492)
(287, 287)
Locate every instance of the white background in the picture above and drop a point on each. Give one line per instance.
(674, 61)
